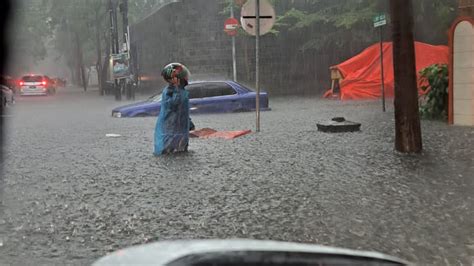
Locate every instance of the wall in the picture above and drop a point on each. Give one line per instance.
(191, 32)
(188, 32)
(463, 74)
(466, 8)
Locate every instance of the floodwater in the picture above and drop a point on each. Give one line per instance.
(71, 195)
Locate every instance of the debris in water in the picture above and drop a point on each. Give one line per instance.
(338, 124)
(112, 135)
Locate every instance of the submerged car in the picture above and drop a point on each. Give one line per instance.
(204, 97)
(36, 85)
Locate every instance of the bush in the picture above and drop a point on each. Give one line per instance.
(434, 80)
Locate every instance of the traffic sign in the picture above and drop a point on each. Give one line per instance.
(380, 20)
(248, 17)
(230, 26)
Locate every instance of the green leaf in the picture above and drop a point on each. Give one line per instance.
(438, 79)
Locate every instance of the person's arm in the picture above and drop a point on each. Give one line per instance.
(174, 98)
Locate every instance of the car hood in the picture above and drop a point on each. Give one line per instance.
(136, 106)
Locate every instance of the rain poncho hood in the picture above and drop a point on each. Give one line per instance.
(172, 127)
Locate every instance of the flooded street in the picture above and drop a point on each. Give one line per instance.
(71, 195)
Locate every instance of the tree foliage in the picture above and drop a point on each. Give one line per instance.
(67, 23)
(435, 82)
(72, 22)
(335, 18)
(29, 33)
(345, 14)
(335, 22)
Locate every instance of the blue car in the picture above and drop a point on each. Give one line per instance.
(204, 97)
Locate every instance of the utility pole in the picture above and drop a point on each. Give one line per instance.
(234, 63)
(111, 42)
(115, 28)
(407, 118)
(124, 11)
(116, 47)
(126, 39)
(257, 63)
(111, 16)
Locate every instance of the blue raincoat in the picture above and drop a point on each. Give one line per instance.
(172, 127)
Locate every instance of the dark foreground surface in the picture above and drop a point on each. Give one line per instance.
(70, 195)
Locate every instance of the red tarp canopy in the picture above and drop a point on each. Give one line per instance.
(361, 73)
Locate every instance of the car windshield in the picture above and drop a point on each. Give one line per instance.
(342, 123)
(32, 78)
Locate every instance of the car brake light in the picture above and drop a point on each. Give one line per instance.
(44, 82)
(22, 83)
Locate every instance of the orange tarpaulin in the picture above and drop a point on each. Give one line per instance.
(201, 133)
(361, 73)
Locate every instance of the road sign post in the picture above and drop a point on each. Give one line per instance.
(230, 26)
(382, 69)
(257, 63)
(379, 22)
(234, 60)
(256, 24)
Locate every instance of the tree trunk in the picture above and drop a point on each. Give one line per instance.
(72, 56)
(72, 69)
(80, 62)
(407, 119)
(99, 52)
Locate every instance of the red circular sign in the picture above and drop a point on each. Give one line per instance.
(230, 26)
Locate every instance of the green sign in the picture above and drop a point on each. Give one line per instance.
(380, 20)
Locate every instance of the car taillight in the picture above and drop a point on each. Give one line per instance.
(22, 83)
(44, 83)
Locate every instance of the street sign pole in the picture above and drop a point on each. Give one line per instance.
(117, 88)
(250, 11)
(381, 69)
(379, 22)
(257, 63)
(234, 62)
